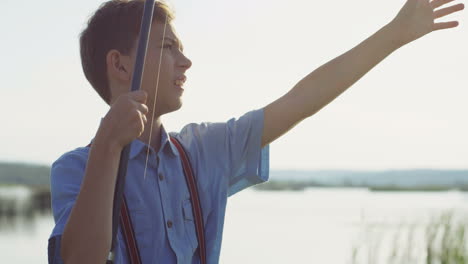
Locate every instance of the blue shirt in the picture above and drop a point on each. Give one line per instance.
(226, 158)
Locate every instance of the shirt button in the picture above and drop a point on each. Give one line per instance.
(169, 224)
(161, 176)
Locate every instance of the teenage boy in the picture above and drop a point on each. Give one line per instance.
(226, 157)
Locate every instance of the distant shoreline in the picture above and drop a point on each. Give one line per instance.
(423, 180)
(301, 186)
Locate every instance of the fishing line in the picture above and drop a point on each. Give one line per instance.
(154, 101)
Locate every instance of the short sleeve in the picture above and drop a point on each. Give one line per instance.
(66, 176)
(234, 146)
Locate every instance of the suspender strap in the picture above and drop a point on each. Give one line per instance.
(126, 221)
(129, 234)
(196, 205)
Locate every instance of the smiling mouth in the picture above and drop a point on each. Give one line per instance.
(180, 81)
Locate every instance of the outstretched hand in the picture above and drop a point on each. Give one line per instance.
(416, 18)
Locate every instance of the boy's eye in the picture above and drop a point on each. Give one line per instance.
(167, 46)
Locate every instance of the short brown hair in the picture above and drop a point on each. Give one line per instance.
(115, 25)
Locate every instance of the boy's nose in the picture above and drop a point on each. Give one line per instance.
(185, 62)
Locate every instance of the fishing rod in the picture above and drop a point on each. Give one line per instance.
(142, 47)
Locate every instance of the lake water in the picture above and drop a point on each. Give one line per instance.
(312, 226)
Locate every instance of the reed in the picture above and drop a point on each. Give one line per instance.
(442, 240)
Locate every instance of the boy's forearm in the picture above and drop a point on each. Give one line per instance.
(331, 79)
(87, 235)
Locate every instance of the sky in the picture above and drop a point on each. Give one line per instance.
(409, 112)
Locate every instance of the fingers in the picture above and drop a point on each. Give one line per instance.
(437, 3)
(143, 119)
(142, 108)
(444, 25)
(448, 10)
(140, 96)
(143, 111)
(141, 122)
(142, 114)
(140, 99)
(128, 117)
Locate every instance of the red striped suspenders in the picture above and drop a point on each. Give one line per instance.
(129, 234)
(126, 221)
(195, 198)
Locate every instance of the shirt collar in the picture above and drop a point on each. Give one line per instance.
(138, 146)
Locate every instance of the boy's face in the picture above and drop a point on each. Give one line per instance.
(173, 66)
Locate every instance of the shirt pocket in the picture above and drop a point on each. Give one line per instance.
(189, 223)
(140, 222)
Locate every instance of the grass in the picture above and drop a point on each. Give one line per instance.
(441, 241)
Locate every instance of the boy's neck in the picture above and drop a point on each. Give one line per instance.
(156, 134)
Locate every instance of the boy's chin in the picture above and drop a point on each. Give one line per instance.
(174, 106)
(178, 106)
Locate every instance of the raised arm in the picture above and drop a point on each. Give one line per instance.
(326, 83)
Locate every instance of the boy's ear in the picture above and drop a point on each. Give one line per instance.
(118, 65)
